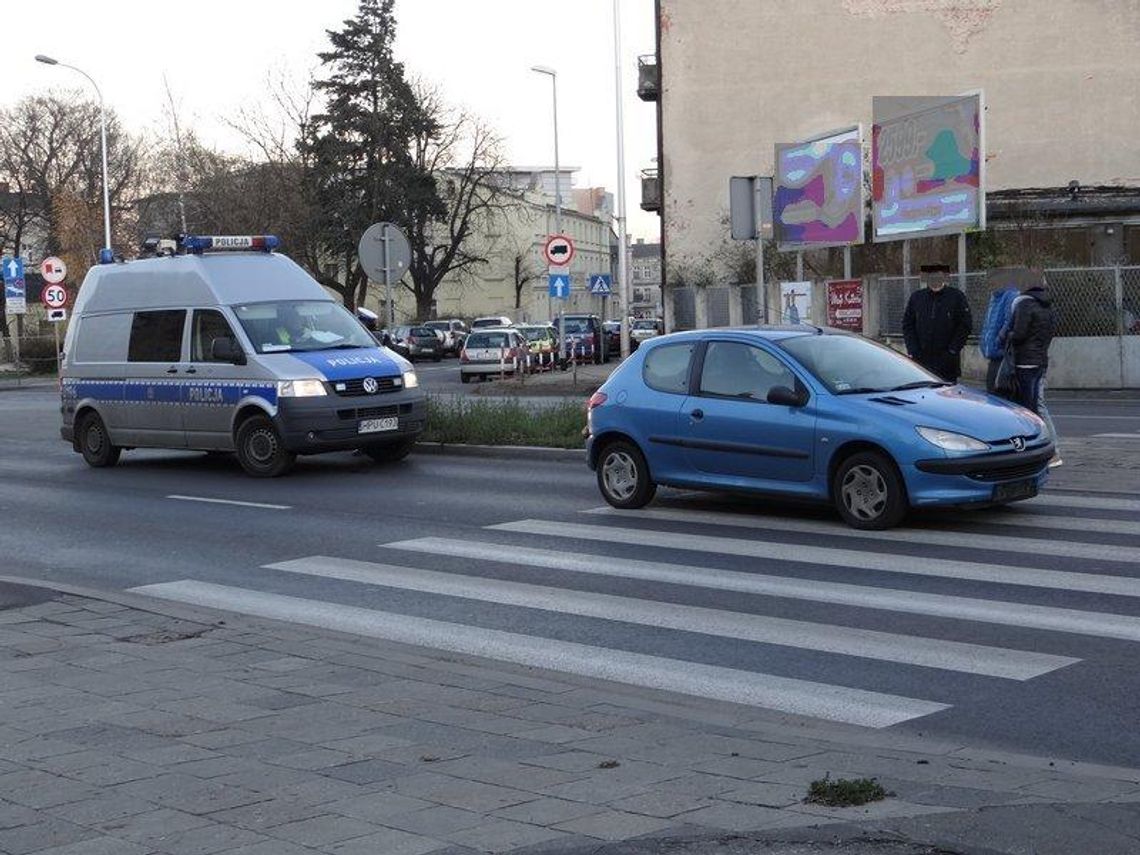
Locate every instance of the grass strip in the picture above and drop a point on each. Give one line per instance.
(477, 421)
(845, 792)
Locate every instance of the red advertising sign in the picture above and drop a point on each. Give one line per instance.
(845, 304)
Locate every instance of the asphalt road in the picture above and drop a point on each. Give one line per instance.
(1016, 629)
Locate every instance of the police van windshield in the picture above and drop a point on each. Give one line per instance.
(298, 325)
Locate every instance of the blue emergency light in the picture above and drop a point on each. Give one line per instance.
(216, 243)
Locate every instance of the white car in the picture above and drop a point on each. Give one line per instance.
(643, 329)
(492, 352)
(492, 322)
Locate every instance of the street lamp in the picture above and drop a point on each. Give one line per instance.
(623, 260)
(542, 69)
(105, 255)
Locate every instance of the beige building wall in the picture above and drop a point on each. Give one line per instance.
(1061, 80)
(488, 289)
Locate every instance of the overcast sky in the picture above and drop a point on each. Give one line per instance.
(217, 55)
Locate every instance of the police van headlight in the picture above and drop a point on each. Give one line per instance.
(301, 389)
(951, 441)
(411, 381)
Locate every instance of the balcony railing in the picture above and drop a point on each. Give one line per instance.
(650, 190)
(647, 78)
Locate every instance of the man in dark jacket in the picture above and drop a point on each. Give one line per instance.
(1034, 323)
(937, 323)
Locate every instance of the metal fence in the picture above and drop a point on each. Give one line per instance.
(28, 355)
(684, 309)
(1090, 302)
(719, 312)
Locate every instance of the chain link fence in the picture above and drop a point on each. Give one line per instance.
(1097, 301)
(684, 309)
(720, 314)
(28, 356)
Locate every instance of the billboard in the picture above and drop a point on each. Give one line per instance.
(928, 166)
(819, 191)
(795, 302)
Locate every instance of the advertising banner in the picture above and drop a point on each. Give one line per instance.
(845, 304)
(795, 302)
(819, 191)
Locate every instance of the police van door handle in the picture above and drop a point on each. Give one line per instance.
(172, 370)
(191, 370)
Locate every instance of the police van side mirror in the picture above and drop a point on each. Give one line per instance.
(226, 350)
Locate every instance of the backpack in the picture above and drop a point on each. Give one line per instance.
(997, 315)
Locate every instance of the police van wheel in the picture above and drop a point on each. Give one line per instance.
(95, 443)
(389, 452)
(260, 451)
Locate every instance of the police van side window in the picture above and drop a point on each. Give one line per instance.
(102, 338)
(157, 336)
(208, 325)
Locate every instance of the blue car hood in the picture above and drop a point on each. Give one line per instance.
(954, 408)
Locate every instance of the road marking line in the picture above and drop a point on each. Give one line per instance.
(1049, 618)
(830, 557)
(1117, 435)
(826, 638)
(922, 537)
(798, 697)
(1096, 503)
(1088, 525)
(264, 505)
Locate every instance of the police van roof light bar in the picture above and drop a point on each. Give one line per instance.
(198, 244)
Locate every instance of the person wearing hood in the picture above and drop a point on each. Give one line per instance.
(937, 323)
(1031, 331)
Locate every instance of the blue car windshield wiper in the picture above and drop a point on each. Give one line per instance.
(921, 384)
(858, 390)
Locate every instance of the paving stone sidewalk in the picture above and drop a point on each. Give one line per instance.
(129, 730)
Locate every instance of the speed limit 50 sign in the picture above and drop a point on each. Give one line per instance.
(54, 296)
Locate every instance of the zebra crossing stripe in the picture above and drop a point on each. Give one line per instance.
(1049, 618)
(832, 557)
(1099, 503)
(1068, 522)
(923, 537)
(849, 641)
(784, 694)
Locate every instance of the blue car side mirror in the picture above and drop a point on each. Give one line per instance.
(785, 397)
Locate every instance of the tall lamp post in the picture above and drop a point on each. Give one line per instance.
(543, 69)
(106, 255)
(623, 260)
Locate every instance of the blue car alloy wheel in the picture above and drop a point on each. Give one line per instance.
(623, 476)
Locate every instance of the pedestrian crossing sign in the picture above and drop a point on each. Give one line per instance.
(601, 283)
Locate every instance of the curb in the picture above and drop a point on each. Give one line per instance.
(529, 452)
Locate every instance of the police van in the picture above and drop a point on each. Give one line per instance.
(223, 345)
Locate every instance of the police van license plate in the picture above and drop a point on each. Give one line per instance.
(1015, 490)
(378, 425)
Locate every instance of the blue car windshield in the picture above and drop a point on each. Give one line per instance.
(298, 325)
(849, 365)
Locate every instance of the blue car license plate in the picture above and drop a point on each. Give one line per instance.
(1015, 490)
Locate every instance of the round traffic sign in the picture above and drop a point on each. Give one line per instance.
(384, 249)
(55, 296)
(53, 270)
(558, 250)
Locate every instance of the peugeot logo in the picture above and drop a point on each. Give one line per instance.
(370, 386)
(1018, 443)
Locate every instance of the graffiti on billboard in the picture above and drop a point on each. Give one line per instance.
(927, 166)
(819, 191)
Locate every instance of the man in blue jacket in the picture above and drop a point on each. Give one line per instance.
(999, 317)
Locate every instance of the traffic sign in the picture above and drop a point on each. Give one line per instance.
(15, 297)
(558, 285)
(601, 283)
(384, 252)
(53, 270)
(558, 250)
(54, 296)
(57, 315)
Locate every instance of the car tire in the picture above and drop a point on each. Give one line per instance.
(260, 450)
(623, 476)
(389, 452)
(869, 493)
(464, 378)
(95, 443)
(436, 358)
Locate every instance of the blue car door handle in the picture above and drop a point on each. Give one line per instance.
(697, 415)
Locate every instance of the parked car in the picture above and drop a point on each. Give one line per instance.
(491, 322)
(454, 332)
(584, 338)
(612, 330)
(643, 329)
(491, 352)
(542, 341)
(414, 342)
(819, 415)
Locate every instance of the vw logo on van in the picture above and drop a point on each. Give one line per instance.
(370, 385)
(1018, 443)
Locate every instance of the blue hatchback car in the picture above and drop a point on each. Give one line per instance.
(808, 413)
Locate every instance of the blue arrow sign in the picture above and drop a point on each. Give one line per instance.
(601, 283)
(13, 269)
(558, 285)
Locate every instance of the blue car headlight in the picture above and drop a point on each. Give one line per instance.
(949, 441)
